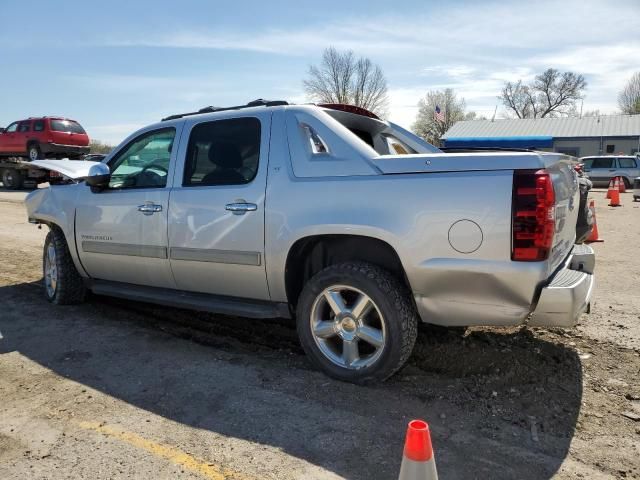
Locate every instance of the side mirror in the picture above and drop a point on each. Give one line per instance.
(98, 177)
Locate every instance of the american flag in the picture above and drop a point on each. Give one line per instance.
(438, 115)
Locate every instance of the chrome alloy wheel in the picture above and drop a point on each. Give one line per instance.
(33, 153)
(50, 271)
(348, 327)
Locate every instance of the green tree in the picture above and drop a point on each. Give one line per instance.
(453, 108)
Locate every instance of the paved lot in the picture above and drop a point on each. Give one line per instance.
(114, 389)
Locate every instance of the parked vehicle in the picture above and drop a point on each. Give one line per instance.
(636, 189)
(16, 173)
(602, 169)
(585, 216)
(352, 225)
(35, 138)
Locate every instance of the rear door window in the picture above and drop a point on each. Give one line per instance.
(68, 126)
(24, 127)
(38, 126)
(627, 163)
(223, 152)
(602, 163)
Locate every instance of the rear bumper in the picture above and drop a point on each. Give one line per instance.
(568, 293)
(67, 149)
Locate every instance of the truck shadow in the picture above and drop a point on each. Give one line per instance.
(501, 403)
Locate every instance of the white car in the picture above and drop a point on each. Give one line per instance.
(601, 169)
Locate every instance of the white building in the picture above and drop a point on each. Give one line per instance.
(580, 137)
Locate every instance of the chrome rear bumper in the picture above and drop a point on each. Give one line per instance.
(568, 294)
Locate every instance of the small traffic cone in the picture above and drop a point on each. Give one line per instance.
(593, 236)
(417, 460)
(615, 198)
(621, 187)
(609, 188)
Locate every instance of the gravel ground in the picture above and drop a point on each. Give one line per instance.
(113, 389)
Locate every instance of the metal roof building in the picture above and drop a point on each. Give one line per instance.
(614, 134)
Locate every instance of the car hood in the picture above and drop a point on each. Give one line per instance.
(74, 169)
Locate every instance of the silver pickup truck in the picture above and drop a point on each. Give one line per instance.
(352, 225)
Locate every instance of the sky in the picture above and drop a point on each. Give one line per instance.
(119, 65)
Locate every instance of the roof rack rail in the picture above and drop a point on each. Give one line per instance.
(255, 103)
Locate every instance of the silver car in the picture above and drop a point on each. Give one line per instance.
(602, 169)
(352, 225)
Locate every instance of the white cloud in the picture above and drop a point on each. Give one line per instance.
(472, 47)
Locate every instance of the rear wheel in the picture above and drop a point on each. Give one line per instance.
(356, 322)
(627, 183)
(63, 284)
(34, 152)
(12, 179)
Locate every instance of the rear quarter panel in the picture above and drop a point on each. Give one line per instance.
(415, 214)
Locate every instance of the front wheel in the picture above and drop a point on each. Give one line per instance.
(63, 284)
(356, 322)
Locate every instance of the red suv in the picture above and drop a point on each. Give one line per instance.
(53, 137)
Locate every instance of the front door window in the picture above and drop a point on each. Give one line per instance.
(144, 163)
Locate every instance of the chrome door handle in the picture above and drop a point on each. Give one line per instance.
(241, 207)
(149, 208)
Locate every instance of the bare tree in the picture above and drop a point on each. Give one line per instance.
(343, 78)
(592, 113)
(473, 116)
(96, 146)
(629, 96)
(431, 128)
(552, 93)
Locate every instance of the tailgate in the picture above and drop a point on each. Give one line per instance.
(68, 132)
(567, 194)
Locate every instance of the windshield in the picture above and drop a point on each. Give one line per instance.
(68, 126)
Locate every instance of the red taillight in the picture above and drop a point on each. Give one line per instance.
(533, 222)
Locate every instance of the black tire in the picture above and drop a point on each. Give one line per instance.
(12, 179)
(627, 183)
(34, 152)
(391, 298)
(69, 288)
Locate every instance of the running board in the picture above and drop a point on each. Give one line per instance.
(203, 302)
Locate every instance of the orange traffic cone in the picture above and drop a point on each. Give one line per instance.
(615, 198)
(621, 186)
(609, 188)
(417, 460)
(593, 236)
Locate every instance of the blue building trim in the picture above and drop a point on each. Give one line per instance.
(503, 142)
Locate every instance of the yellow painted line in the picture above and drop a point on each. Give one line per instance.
(167, 452)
